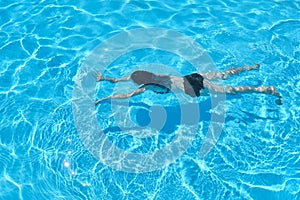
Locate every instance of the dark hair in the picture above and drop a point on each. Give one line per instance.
(142, 77)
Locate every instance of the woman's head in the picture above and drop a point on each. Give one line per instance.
(142, 77)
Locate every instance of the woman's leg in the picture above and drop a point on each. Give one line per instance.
(241, 89)
(229, 72)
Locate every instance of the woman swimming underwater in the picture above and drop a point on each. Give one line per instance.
(192, 84)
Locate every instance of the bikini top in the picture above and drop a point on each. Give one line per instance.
(159, 84)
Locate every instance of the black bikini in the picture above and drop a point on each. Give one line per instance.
(193, 84)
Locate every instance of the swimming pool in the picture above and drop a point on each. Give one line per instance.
(44, 47)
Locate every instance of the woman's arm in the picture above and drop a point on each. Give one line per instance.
(122, 96)
(113, 80)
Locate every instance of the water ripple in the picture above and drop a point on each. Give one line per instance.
(42, 45)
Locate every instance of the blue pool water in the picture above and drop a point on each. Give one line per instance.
(44, 45)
